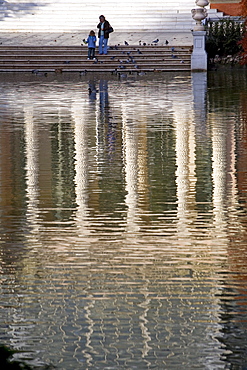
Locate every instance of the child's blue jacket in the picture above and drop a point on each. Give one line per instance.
(91, 41)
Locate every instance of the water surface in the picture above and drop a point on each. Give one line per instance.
(123, 220)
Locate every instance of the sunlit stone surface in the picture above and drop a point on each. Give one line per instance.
(123, 220)
(77, 15)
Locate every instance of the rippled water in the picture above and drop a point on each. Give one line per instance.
(123, 220)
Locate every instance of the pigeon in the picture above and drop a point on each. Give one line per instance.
(155, 41)
(172, 49)
(121, 67)
(126, 43)
(83, 73)
(113, 57)
(174, 56)
(122, 75)
(115, 47)
(144, 44)
(167, 42)
(138, 51)
(38, 73)
(140, 42)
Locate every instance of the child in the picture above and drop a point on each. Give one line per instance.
(91, 41)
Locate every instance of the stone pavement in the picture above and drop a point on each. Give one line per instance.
(68, 38)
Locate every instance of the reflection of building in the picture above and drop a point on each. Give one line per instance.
(129, 208)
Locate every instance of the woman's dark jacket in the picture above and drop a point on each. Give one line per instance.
(106, 29)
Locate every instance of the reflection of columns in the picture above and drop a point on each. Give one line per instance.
(81, 164)
(142, 164)
(231, 165)
(59, 183)
(185, 160)
(32, 166)
(145, 305)
(130, 147)
(223, 176)
(199, 85)
(219, 173)
(90, 330)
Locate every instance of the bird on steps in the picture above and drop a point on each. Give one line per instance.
(155, 41)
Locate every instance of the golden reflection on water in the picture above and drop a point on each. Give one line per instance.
(123, 222)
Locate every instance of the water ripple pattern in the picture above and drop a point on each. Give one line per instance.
(123, 218)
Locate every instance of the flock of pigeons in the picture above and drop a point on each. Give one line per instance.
(155, 42)
(122, 62)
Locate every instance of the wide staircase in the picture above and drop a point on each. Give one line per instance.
(78, 15)
(121, 59)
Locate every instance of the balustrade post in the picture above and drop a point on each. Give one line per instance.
(199, 55)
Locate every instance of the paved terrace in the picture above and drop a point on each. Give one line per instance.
(182, 38)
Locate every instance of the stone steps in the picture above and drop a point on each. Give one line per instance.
(74, 59)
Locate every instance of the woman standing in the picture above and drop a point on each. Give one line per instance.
(104, 30)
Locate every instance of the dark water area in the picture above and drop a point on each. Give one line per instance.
(123, 220)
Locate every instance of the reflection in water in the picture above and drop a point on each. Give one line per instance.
(123, 221)
(32, 168)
